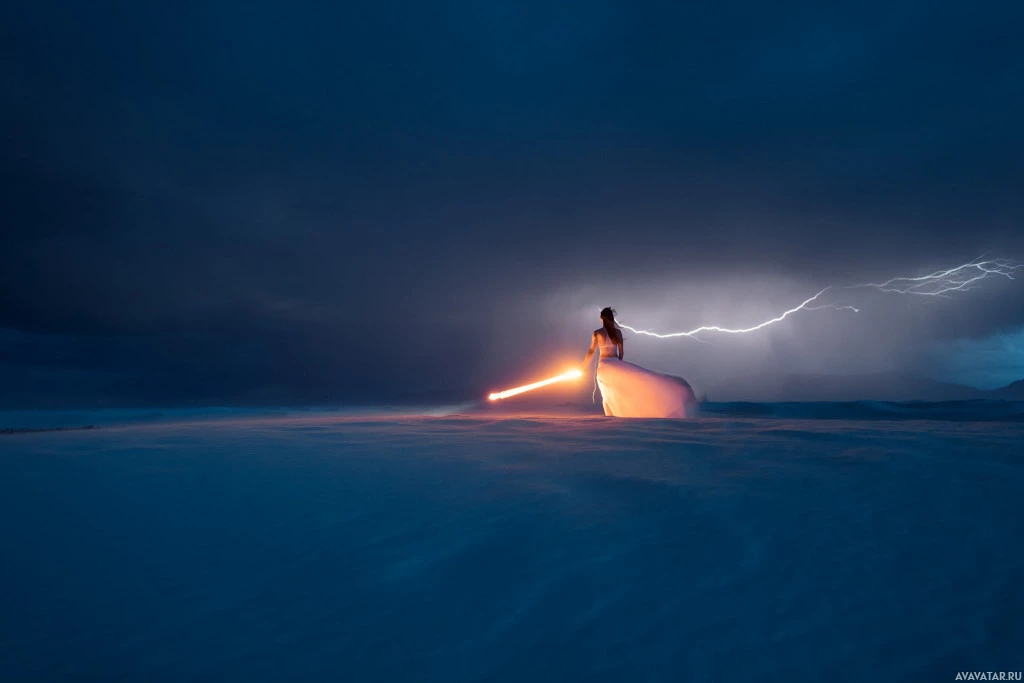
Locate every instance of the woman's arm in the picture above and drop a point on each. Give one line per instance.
(590, 351)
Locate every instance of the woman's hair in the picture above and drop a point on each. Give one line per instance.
(608, 318)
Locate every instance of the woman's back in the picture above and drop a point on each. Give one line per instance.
(609, 349)
(628, 390)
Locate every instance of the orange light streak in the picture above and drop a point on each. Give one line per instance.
(571, 374)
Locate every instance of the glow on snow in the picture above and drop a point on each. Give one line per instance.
(940, 283)
(571, 374)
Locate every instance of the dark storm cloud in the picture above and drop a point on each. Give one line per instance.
(254, 201)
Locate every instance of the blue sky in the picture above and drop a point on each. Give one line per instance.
(227, 201)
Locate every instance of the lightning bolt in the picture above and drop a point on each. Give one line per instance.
(941, 282)
(738, 330)
(938, 284)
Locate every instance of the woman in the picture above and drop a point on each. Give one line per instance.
(628, 390)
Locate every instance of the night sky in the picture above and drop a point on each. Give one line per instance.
(251, 202)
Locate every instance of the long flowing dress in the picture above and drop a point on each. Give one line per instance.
(628, 390)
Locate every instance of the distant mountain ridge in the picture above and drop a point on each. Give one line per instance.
(1011, 392)
(866, 387)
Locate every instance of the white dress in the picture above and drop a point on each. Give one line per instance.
(628, 390)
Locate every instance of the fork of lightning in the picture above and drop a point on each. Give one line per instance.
(941, 283)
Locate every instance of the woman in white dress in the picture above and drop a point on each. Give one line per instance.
(628, 390)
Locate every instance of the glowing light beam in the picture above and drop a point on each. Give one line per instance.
(571, 374)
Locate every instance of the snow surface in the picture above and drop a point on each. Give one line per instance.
(329, 547)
